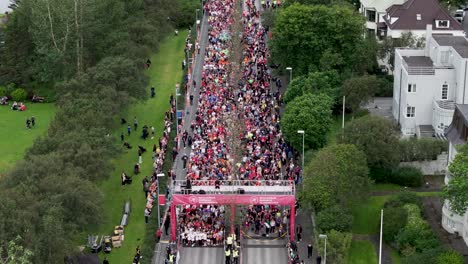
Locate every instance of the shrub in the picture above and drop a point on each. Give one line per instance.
(414, 149)
(407, 176)
(394, 220)
(403, 198)
(19, 94)
(428, 256)
(449, 257)
(417, 235)
(3, 91)
(335, 217)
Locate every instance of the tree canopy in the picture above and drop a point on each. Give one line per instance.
(311, 113)
(376, 137)
(317, 37)
(359, 90)
(456, 191)
(337, 174)
(315, 82)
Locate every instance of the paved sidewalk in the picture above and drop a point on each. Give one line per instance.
(160, 248)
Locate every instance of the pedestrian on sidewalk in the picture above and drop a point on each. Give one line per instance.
(309, 250)
(166, 225)
(299, 233)
(184, 160)
(191, 99)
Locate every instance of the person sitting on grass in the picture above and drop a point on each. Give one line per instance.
(126, 179)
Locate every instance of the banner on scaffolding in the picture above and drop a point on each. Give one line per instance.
(218, 199)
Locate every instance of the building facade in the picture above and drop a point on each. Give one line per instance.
(392, 18)
(457, 134)
(428, 83)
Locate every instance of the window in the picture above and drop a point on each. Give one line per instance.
(444, 91)
(410, 111)
(371, 15)
(442, 23)
(411, 87)
(418, 16)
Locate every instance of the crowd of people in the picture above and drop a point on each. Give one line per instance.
(202, 225)
(266, 220)
(209, 157)
(252, 102)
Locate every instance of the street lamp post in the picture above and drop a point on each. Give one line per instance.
(157, 181)
(303, 137)
(290, 73)
(325, 248)
(177, 118)
(196, 12)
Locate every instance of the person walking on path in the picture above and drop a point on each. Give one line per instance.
(309, 250)
(184, 160)
(299, 233)
(166, 225)
(147, 214)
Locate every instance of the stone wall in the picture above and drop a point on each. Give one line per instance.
(432, 167)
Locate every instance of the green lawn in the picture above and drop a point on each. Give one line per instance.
(15, 137)
(164, 73)
(367, 215)
(386, 187)
(396, 258)
(362, 252)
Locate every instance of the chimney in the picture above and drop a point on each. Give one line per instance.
(428, 37)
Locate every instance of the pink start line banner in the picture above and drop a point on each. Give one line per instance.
(219, 199)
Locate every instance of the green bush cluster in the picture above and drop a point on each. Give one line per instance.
(414, 149)
(406, 230)
(407, 176)
(19, 95)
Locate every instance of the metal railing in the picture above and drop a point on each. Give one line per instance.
(419, 70)
(234, 187)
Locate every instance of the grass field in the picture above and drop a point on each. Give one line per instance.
(362, 252)
(15, 137)
(367, 215)
(164, 73)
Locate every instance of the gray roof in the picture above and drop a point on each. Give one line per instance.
(463, 108)
(430, 10)
(460, 44)
(460, 119)
(418, 61)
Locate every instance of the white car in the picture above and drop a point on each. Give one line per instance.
(459, 15)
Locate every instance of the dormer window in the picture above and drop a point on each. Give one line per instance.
(418, 16)
(442, 23)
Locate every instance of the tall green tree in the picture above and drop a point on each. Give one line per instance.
(14, 253)
(337, 174)
(311, 113)
(314, 83)
(316, 37)
(456, 191)
(338, 244)
(376, 137)
(359, 90)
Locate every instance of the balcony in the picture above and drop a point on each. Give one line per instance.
(418, 65)
(442, 115)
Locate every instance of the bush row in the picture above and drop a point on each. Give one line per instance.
(421, 149)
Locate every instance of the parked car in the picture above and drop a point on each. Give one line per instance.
(459, 15)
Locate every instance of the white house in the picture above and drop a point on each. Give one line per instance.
(393, 17)
(457, 134)
(428, 83)
(375, 11)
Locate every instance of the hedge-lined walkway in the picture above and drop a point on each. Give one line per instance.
(164, 73)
